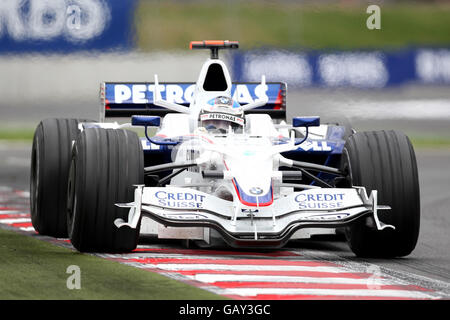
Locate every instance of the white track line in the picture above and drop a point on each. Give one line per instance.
(211, 278)
(3, 212)
(17, 220)
(243, 267)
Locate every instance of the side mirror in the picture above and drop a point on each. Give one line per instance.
(306, 122)
(146, 121)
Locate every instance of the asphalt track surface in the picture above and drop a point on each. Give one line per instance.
(423, 274)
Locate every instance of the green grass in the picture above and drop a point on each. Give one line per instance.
(34, 269)
(420, 142)
(163, 25)
(17, 134)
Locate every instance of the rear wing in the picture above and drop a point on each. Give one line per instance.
(124, 99)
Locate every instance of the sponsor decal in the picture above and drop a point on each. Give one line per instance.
(256, 190)
(183, 93)
(222, 116)
(184, 216)
(315, 145)
(223, 101)
(179, 199)
(320, 200)
(249, 211)
(327, 216)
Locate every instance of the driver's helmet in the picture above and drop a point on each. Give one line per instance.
(220, 114)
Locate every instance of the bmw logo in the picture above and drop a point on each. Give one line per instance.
(256, 190)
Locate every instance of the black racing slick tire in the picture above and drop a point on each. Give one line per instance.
(385, 161)
(106, 164)
(50, 161)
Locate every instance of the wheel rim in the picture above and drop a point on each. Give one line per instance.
(34, 185)
(71, 199)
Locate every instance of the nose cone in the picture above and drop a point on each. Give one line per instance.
(252, 175)
(254, 196)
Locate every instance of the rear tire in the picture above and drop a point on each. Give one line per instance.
(106, 163)
(50, 161)
(385, 161)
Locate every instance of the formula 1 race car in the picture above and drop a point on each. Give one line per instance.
(218, 162)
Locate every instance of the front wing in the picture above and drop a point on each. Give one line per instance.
(245, 226)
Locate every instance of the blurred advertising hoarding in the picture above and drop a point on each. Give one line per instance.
(359, 69)
(64, 26)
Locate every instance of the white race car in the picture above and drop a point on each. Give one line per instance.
(220, 163)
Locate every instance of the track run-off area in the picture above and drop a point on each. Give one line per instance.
(291, 273)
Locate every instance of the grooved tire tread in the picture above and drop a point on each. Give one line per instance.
(106, 164)
(385, 161)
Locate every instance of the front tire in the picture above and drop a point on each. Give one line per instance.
(106, 163)
(385, 161)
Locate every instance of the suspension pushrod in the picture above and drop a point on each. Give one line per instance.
(169, 166)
